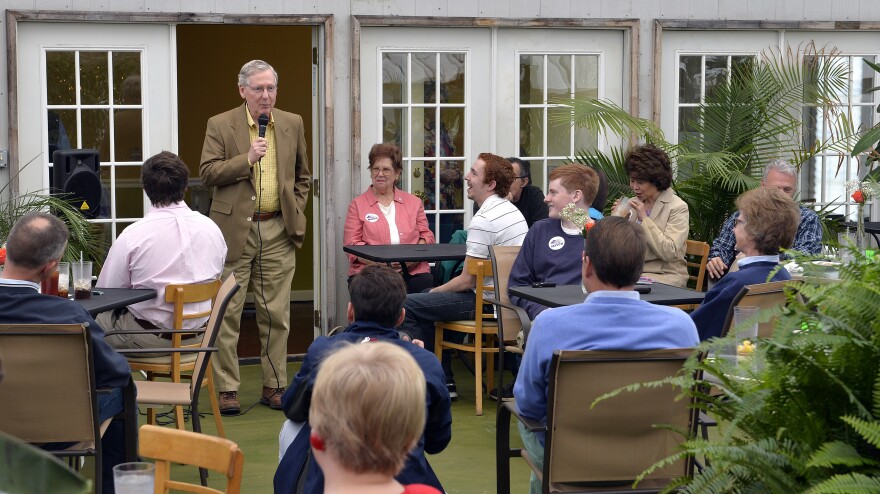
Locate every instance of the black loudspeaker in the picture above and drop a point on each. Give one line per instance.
(76, 172)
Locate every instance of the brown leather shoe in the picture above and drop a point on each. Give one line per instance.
(272, 397)
(229, 403)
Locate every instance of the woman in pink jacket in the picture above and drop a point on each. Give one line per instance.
(385, 214)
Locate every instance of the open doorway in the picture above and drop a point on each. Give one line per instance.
(209, 57)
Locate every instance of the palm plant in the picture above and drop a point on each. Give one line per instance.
(803, 413)
(84, 236)
(742, 125)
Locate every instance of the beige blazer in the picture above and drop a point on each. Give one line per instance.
(224, 166)
(666, 231)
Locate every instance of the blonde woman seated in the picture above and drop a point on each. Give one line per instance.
(367, 413)
(663, 214)
(386, 215)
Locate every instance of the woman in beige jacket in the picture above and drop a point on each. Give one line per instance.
(662, 213)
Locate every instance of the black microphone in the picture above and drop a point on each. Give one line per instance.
(263, 121)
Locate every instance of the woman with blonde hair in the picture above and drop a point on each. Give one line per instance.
(367, 413)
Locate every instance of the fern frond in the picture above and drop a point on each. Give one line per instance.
(852, 483)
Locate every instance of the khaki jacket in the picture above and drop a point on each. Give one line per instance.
(666, 231)
(224, 166)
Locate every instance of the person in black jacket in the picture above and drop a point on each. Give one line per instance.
(376, 307)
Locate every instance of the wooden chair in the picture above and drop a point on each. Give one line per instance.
(56, 359)
(162, 393)
(174, 364)
(167, 446)
(696, 258)
(602, 449)
(482, 328)
(512, 319)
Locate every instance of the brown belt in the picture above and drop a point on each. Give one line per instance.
(266, 216)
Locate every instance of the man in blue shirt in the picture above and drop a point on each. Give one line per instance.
(808, 238)
(611, 318)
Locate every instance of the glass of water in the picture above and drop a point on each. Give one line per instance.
(134, 478)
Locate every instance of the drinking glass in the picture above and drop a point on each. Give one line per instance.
(136, 477)
(63, 279)
(746, 336)
(82, 279)
(623, 208)
(49, 286)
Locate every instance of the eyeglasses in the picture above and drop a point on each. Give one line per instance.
(523, 178)
(382, 171)
(259, 89)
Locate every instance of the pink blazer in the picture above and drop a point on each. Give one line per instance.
(366, 225)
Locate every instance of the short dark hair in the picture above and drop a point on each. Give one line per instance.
(386, 150)
(525, 169)
(771, 218)
(500, 170)
(377, 294)
(616, 248)
(164, 177)
(648, 163)
(36, 239)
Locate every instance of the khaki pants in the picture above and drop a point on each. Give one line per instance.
(123, 320)
(269, 274)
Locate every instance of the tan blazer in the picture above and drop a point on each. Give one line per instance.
(225, 167)
(666, 231)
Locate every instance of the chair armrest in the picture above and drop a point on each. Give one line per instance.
(135, 351)
(532, 425)
(155, 331)
(524, 320)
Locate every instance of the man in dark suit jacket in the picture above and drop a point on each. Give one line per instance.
(34, 248)
(377, 297)
(261, 185)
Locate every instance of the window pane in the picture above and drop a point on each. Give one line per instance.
(128, 135)
(687, 118)
(741, 65)
(553, 164)
(716, 73)
(531, 131)
(559, 132)
(586, 76)
(585, 139)
(451, 184)
(94, 87)
(690, 75)
(449, 223)
(95, 129)
(536, 167)
(424, 78)
(558, 76)
(393, 78)
(129, 194)
(60, 78)
(61, 131)
(452, 131)
(531, 79)
(393, 126)
(423, 182)
(452, 77)
(423, 141)
(126, 78)
(863, 79)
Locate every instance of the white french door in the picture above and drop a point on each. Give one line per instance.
(104, 86)
(444, 95)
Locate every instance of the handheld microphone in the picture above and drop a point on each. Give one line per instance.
(263, 122)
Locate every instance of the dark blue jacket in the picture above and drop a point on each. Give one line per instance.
(710, 315)
(20, 304)
(438, 427)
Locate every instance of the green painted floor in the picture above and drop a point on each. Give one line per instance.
(466, 466)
